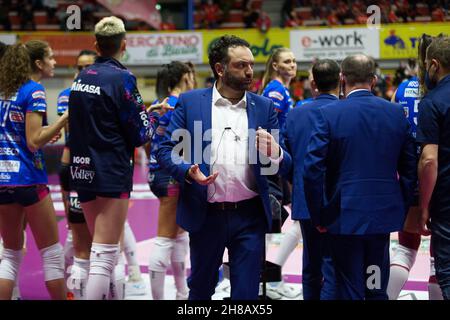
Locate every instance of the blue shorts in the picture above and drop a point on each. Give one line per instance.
(162, 184)
(25, 196)
(86, 196)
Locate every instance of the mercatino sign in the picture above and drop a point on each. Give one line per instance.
(159, 48)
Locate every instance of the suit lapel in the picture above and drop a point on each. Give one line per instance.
(206, 111)
(252, 127)
(251, 112)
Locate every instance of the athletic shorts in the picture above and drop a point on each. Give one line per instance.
(86, 196)
(25, 196)
(75, 214)
(162, 184)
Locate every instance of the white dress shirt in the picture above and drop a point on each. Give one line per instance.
(229, 151)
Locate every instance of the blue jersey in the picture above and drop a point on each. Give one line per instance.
(61, 107)
(18, 165)
(63, 101)
(303, 102)
(281, 98)
(159, 133)
(408, 97)
(107, 121)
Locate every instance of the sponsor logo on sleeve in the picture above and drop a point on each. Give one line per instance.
(63, 99)
(9, 166)
(137, 97)
(276, 95)
(39, 94)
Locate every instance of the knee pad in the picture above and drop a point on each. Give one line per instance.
(103, 258)
(10, 264)
(53, 259)
(162, 249)
(404, 257)
(181, 248)
(68, 249)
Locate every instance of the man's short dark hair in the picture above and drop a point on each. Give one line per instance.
(358, 69)
(109, 45)
(439, 49)
(326, 75)
(218, 50)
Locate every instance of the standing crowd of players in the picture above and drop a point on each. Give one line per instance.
(106, 125)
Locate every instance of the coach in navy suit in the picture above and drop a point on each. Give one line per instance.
(317, 271)
(224, 199)
(362, 148)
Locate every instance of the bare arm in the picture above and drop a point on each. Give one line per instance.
(428, 170)
(38, 135)
(393, 96)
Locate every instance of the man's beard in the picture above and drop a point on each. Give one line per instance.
(235, 83)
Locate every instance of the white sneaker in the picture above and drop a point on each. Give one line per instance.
(271, 292)
(224, 286)
(285, 290)
(182, 296)
(134, 274)
(135, 288)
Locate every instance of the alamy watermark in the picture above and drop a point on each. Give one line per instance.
(374, 20)
(207, 151)
(73, 21)
(374, 277)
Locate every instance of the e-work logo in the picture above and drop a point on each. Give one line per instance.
(353, 39)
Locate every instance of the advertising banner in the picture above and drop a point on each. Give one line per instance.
(400, 41)
(66, 46)
(160, 48)
(261, 44)
(8, 38)
(334, 43)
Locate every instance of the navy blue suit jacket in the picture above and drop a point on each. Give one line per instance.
(195, 106)
(299, 125)
(363, 149)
